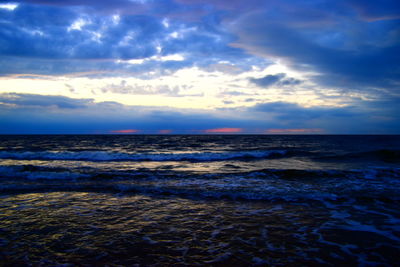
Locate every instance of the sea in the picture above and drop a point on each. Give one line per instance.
(199, 200)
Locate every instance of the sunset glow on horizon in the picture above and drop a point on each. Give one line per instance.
(165, 131)
(128, 131)
(224, 130)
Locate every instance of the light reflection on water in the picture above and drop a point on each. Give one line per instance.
(195, 167)
(98, 228)
(199, 200)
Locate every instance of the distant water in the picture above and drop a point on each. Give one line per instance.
(200, 200)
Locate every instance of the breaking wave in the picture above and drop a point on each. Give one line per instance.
(265, 184)
(119, 156)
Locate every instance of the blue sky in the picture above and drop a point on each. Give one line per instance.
(198, 66)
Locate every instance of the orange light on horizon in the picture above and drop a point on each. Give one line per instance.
(125, 131)
(289, 131)
(224, 130)
(165, 131)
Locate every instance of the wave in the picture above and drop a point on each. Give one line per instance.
(388, 156)
(266, 184)
(119, 156)
(270, 193)
(23, 171)
(39, 173)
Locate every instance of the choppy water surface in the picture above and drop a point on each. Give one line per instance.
(199, 200)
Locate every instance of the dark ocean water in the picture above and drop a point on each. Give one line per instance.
(200, 200)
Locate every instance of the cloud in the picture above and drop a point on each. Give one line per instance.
(47, 32)
(278, 79)
(8, 6)
(232, 5)
(294, 112)
(339, 40)
(268, 80)
(289, 82)
(350, 48)
(43, 37)
(24, 113)
(126, 7)
(124, 88)
(232, 93)
(14, 100)
(352, 56)
(373, 11)
(123, 6)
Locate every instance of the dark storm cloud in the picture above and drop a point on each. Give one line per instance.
(267, 80)
(290, 81)
(275, 79)
(347, 53)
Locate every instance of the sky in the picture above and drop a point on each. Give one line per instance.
(200, 67)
